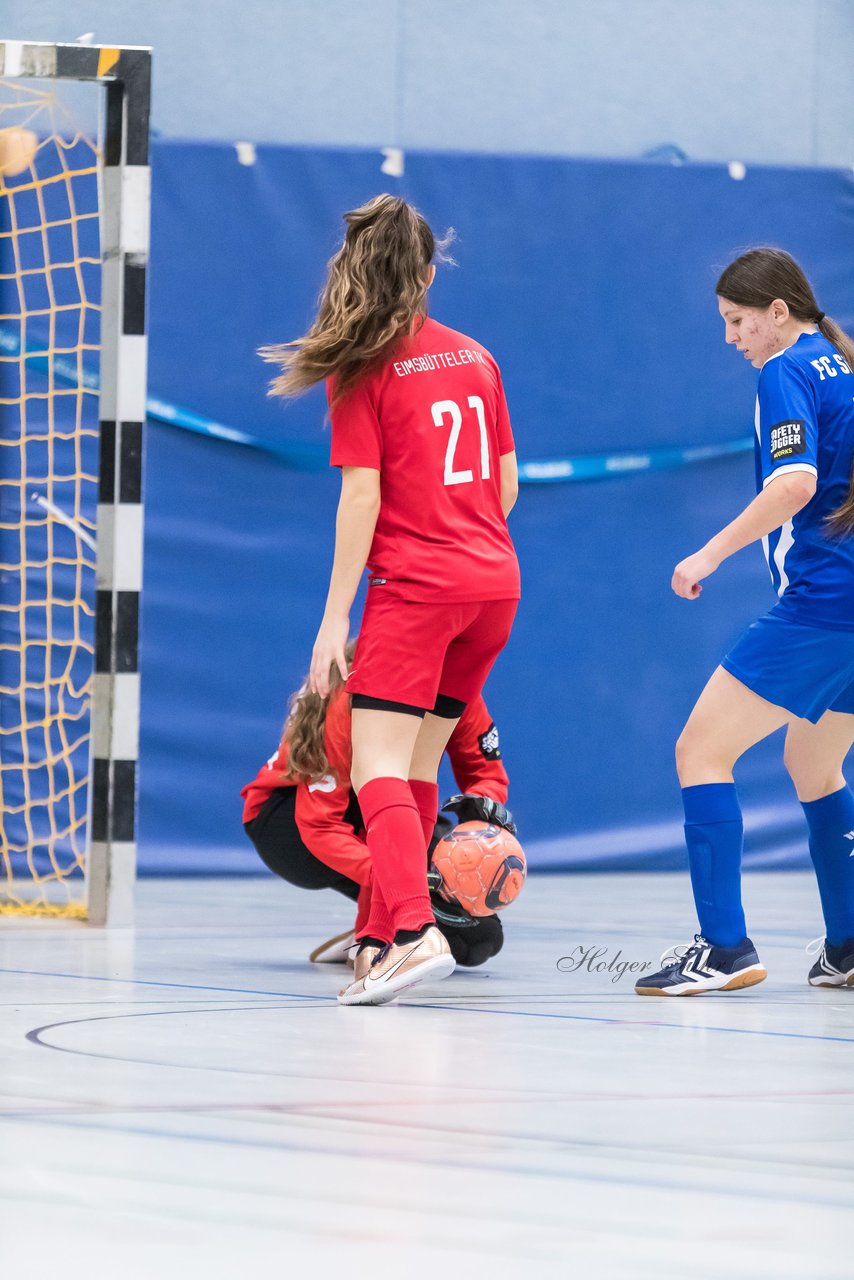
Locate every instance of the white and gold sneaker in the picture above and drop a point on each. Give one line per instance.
(364, 958)
(395, 968)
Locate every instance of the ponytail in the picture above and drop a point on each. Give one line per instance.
(837, 337)
(375, 288)
(840, 523)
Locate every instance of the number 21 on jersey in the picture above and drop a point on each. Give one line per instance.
(443, 409)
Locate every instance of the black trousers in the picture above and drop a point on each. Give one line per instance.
(275, 835)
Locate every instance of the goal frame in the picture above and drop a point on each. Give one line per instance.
(125, 73)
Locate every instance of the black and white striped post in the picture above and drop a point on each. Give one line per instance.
(124, 351)
(125, 214)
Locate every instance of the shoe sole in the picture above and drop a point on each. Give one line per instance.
(747, 979)
(437, 967)
(846, 982)
(317, 956)
(367, 997)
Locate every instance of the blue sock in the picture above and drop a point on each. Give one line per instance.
(714, 833)
(831, 824)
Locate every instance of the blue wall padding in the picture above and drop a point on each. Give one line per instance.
(592, 283)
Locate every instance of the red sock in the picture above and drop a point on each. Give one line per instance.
(396, 843)
(426, 797)
(372, 917)
(363, 908)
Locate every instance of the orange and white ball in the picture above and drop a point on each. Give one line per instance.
(482, 866)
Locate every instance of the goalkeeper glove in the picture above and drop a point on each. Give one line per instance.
(481, 809)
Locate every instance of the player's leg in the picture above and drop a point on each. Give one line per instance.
(386, 751)
(815, 753)
(383, 736)
(814, 756)
(468, 661)
(383, 741)
(433, 737)
(394, 682)
(383, 744)
(728, 719)
(389, 699)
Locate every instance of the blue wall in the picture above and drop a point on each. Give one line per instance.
(592, 282)
(769, 81)
(590, 279)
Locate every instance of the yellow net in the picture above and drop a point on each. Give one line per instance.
(49, 338)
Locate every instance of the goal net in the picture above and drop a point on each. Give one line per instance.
(73, 245)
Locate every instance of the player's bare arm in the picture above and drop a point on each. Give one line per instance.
(509, 482)
(782, 499)
(358, 508)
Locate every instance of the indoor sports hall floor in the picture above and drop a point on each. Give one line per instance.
(188, 1099)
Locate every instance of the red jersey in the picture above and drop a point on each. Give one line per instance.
(473, 752)
(433, 421)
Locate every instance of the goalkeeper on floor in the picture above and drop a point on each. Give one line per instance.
(303, 817)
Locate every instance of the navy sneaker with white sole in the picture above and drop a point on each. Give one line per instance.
(701, 966)
(835, 965)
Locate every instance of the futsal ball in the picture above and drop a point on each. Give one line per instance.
(17, 149)
(482, 867)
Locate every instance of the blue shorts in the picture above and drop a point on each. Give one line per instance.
(806, 670)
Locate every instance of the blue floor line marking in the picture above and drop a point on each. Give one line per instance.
(179, 986)
(644, 1022)
(448, 1008)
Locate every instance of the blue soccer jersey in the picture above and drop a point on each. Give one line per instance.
(805, 422)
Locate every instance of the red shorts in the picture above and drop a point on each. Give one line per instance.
(410, 653)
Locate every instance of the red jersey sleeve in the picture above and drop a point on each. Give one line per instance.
(271, 776)
(356, 434)
(506, 443)
(321, 806)
(475, 756)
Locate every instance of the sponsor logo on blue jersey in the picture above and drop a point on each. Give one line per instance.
(787, 439)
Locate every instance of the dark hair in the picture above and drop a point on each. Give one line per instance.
(759, 277)
(376, 286)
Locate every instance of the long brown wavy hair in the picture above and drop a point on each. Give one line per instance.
(376, 286)
(756, 279)
(304, 727)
